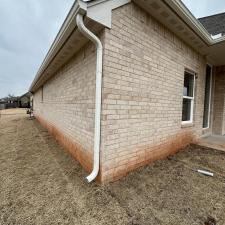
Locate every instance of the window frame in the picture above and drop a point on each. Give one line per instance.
(186, 122)
(42, 94)
(210, 98)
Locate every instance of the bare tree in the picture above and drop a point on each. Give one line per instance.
(9, 96)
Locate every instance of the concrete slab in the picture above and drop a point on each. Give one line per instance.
(215, 141)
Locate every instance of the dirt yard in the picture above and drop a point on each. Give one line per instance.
(41, 184)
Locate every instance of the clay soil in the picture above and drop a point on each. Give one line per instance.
(41, 184)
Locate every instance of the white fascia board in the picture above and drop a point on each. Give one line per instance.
(101, 10)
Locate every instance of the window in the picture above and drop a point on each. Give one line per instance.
(207, 101)
(188, 97)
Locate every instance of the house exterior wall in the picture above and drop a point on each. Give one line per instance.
(65, 105)
(24, 102)
(144, 66)
(219, 102)
(143, 75)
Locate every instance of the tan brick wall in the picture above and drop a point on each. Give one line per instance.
(143, 72)
(69, 101)
(144, 67)
(219, 102)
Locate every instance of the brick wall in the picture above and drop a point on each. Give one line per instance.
(67, 109)
(143, 73)
(219, 102)
(144, 67)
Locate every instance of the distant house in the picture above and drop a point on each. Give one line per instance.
(127, 82)
(16, 102)
(11, 102)
(24, 100)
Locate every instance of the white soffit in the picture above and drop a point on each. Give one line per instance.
(163, 13)
(171, 13)
(69, 41)
(177, 18)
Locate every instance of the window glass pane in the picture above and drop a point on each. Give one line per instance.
(186, 113)
(188, 85)
(207, 98)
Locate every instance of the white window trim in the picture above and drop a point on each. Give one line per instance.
(192, 101)
(210, 98)
(42, 94)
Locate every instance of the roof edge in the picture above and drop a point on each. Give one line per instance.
(189, 18)
(98, 11)
(88, 8)
(68, 25)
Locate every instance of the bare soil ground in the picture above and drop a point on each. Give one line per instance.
(41, 184)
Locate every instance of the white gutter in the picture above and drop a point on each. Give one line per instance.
(98, 94)
(186, 14)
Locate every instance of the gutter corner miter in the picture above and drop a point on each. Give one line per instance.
(98, 93)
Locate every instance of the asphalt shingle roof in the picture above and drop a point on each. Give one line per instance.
(214, 24)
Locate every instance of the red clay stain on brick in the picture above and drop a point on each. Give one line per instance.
(142, 157)
(83, 156)
(145, 156)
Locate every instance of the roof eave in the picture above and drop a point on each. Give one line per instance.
(105, 6)
(174, 15)
(97, 11)
(68, 25)
(183, 11)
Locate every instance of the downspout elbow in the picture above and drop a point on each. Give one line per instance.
(98, 94)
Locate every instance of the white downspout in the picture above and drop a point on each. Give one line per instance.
(98, 94)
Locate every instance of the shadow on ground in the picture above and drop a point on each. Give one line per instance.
(41, 184)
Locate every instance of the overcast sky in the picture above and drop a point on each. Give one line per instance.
(201, 8)
(28, 27)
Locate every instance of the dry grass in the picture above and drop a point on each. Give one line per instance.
(10, 112)
(41, 184)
